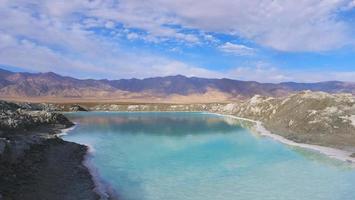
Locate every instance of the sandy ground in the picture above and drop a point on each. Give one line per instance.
(208, 97)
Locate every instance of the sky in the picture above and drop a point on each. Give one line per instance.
(260, 40)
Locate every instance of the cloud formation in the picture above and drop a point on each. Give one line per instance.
(47, 36)
(237, 49)
(266, 73)
(83, 37)
(305, 25)
(288, 25)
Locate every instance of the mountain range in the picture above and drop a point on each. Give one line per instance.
(54, 87)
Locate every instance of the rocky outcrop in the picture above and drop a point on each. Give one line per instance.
(8, 106)
(49, 107)
(21, 128)
(307, 117)
(34, 162)
(27, 120)
(76, 108)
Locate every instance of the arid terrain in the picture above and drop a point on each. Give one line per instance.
(51, 87)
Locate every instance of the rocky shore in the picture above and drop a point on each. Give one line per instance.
(309, 117)
(34, 162)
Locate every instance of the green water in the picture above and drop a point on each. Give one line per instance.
(195, 156)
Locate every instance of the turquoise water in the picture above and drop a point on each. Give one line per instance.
(195, 156)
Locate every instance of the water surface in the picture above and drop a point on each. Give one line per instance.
(196, 156)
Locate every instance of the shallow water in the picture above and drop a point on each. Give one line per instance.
(195, 156)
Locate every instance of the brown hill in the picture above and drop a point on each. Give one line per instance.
(53, 87)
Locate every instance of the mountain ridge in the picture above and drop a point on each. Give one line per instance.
(50, 84)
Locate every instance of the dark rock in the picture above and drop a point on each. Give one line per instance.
(76, 108)
(39, 107)
(3, 143)
(52, 170)
(27, 120)
(34, 163)
(7, 106)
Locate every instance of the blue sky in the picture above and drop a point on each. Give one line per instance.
(261, 40)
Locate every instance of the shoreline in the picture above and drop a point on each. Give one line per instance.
(333, 153)
(45, 165)
(65, 131)
(101, 188)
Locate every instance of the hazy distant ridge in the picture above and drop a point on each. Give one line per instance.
(51, 84)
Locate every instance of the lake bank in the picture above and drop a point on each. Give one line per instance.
(35, 163)
(338, 154)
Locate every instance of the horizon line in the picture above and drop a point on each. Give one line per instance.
(172, 75)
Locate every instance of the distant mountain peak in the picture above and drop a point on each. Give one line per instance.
(178, 76)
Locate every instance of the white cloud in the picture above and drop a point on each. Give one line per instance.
(34, 57)
(46, 37)
(305, 25)
(288, 25)
(209, 38)
(267, 73)
(132, 36)
(259, 71)
(350, 5)
(29, 55)
(237, 49)
(57, 36)
(174, 68)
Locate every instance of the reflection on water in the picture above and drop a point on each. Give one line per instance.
(174, 124)
(194, 156)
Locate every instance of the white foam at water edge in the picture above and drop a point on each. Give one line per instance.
(65, 131)
(331, 152)
(101, 188)
(91, 149)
